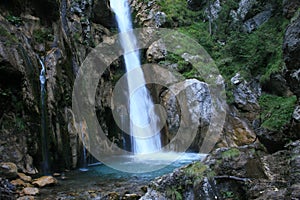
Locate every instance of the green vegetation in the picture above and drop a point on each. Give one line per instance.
(17, 21)
(178, 13)
(229, 195)
(196, 169)
(7, 37)
(183, 67)
(231, 153)
(258, 53)
(196, 172)
(276, 111)
(173, 193)
(42, 35)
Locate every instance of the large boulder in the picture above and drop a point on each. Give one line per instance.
(8, 170)
(195, 108)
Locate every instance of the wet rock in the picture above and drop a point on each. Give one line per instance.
(44, 181)
(8, 170)
(25, 177)
(156, 52)
(31, 191)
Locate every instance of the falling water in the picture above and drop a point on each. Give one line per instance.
(84, 164)
(140, 103)
(45, 164)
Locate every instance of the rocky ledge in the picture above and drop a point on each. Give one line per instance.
(245, 172)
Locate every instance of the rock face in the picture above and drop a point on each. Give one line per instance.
(259, 19)
(60, 36)
(246, 94)
(148, 13)
(195, 107)
(291, 51)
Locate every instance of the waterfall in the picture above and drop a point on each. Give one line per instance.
(84, 163)
(143, 140)
(45, 153)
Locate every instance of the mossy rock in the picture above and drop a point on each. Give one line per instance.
(231, 153)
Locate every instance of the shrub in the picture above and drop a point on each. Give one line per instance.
(276, 111)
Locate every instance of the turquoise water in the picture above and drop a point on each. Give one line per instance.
(101, 179)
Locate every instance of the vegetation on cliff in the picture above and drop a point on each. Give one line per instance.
(235, 50)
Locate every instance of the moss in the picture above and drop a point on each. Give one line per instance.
(7, 37)
(231, 153)
(42, 35)
(196, 170)
(276, 111)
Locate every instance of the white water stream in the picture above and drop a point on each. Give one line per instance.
(145, 136)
